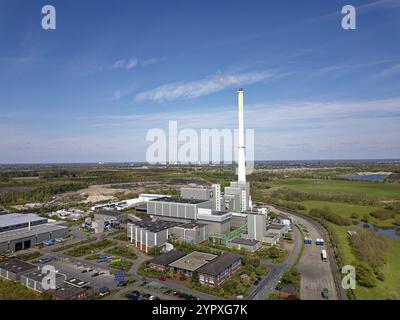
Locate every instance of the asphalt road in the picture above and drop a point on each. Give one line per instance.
(315, 274)
(267, 285)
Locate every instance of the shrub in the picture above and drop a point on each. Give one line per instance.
(370, 248)
(365, 275)
(327, 214)
(383, 215)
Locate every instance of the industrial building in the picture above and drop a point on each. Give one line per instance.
(23, 231)
(148, 234)
(178, 208)
(220, 222)
(196, 193)
(207, 213)
(192, 232)
(13, 269)
(14, 221)
(250, 245)
(67, 292)
(33, 280)
(110, 216)
(219, 269)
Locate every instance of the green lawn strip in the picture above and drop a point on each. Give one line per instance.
(120, 264)
(72, 245)
(12, 290)
(122, 252)
(29, 256)
(302, 246)
(90, 248)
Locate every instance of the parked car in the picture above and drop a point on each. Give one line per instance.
(96, 274)
(325, 293)
(146, 296)
(45, 260)
(135, 292)
(84, 271)
(122, 283)
(104, 291)
(163, 278)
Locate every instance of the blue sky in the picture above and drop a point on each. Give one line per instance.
(91, 89)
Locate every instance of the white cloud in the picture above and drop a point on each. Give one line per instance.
(126, 64)
(388, 72)
(197, 88)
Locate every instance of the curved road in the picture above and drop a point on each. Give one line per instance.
(268, 284)
(315, 274)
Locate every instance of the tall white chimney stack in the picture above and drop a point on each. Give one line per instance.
(241, 151)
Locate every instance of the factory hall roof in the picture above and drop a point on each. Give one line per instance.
(179, 200)
(66, 291)
(13, 219)
(16, 266)
(192, 225)
(34, 230)
(76, 282)
(38, 275)
(246, 242)
(156, 226)
(111, 213)
(218, 265)
(167, 258)
(275, 226)
(193, 261)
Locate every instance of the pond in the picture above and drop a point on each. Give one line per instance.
(391, 232)
(368, 177)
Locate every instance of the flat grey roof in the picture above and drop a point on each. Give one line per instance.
(16, 266)
(275, 226)
(38, 275)
(110, 213)
(76, 282)
(24, 232)
(12, 219)
(155, 226)
(192, 225)
(65, 291)
(193, 261)
(271, 235)
(247, 242)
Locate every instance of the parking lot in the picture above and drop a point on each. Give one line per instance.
(315, 274)
(76, 270)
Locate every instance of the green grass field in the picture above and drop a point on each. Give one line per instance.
(346, 210)
(383, 191)
(390, 287)
(387, 289)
